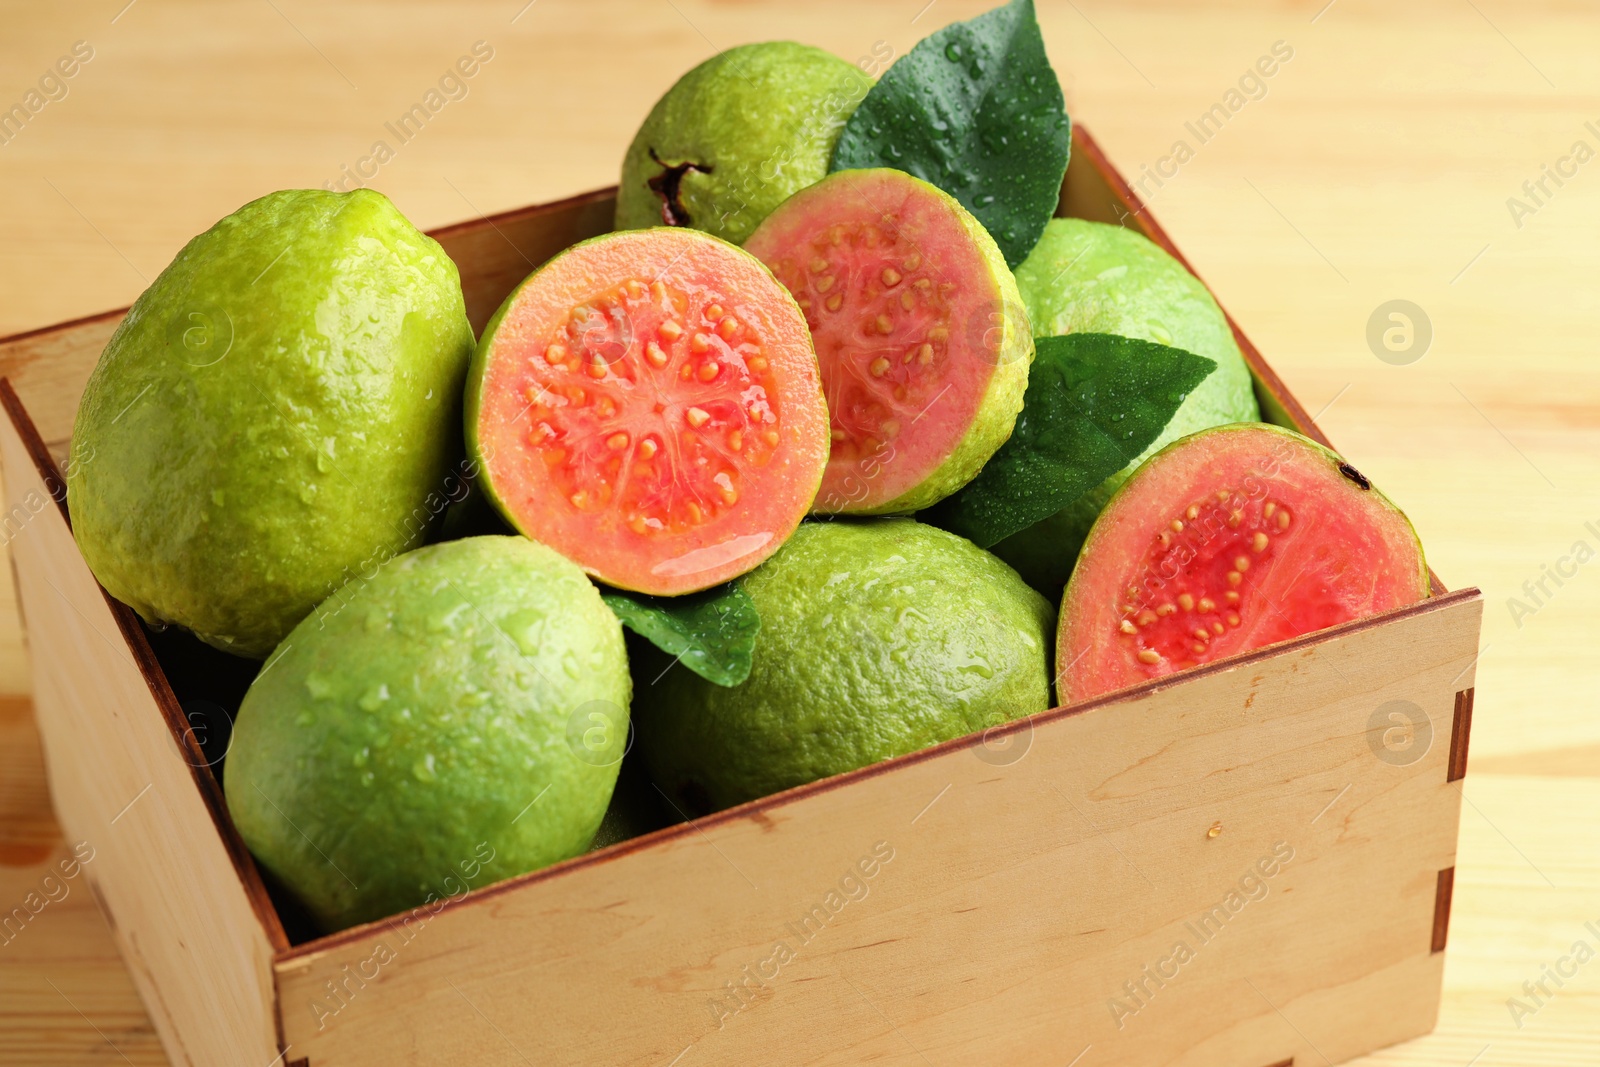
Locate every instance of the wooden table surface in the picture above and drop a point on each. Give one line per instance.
(1378, 165)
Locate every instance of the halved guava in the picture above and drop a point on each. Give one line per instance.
(647, 404)
(919, 329)
(1225, 541)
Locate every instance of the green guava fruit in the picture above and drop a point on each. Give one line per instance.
(1097, 278)
(1225, 541)
(457, 718)
(277, 412)
(878, 637)
(736, 136)
(647, 404)
(919, 329)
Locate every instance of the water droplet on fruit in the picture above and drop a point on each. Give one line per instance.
(423, 770)
(361, 757)
(978, 666)
(952, 52)
(570, 664)
(445, 621)
(374, 698)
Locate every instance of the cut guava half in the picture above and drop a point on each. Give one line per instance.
(648, 404)
(1229, 540)
(919, 330)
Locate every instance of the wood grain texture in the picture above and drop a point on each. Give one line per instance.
(1378, 165)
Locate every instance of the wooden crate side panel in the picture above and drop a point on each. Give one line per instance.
(1026, 880)
(193, 938)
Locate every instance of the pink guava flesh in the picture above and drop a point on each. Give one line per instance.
(903, 309)
(647, 404)
(1226, 541)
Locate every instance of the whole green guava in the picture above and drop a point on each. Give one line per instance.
(278, 411)
(878, 637)
(734, 137)
(1092, 277)
(455, 719)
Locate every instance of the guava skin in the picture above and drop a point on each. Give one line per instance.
(878, 637)
(277, 412)
(735, 136)
(1096, 277)
(393, 745)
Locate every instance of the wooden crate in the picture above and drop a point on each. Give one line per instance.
(1248, 864)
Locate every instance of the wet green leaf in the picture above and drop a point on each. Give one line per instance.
(1095, 401)
(975, 109)
(712, 633)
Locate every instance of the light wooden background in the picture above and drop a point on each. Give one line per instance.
(1377, 166)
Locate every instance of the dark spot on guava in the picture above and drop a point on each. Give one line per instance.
(1355, 476)
(666, 186)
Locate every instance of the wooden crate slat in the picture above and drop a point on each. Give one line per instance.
(197, 935)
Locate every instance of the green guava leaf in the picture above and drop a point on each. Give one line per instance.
(713, 633)
(975, 109)
(1095, 401)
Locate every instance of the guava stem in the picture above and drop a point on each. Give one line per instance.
(666, 186)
